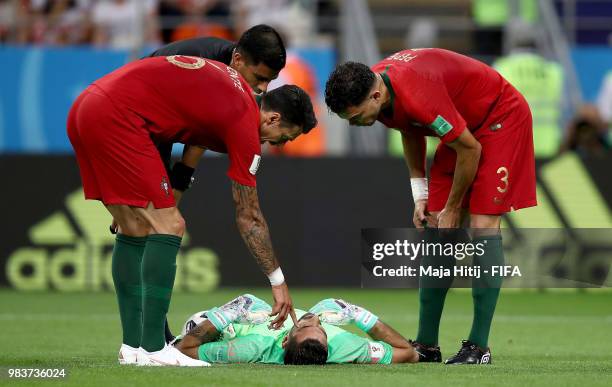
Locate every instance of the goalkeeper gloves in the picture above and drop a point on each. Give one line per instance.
(245, 309)
(339, 312)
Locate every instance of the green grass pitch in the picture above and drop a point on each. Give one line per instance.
(553, 339)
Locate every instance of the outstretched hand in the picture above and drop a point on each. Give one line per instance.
(283, 306)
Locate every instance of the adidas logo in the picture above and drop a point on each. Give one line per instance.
(71, 250)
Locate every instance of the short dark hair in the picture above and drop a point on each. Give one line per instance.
(307, 352)
(348, 85)
(262, 43)
(293, 104)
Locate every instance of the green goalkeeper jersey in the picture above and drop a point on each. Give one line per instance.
(260, 344)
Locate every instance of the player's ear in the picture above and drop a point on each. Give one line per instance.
(285, 340)
(237, 58)
(274, 118)
(376, 94)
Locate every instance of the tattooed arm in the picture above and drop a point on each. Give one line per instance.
(253, 227)
(254, 230)
(205, 332)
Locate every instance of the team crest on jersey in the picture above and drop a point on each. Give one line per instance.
(186, 62)
(255, 164)
(165, 186)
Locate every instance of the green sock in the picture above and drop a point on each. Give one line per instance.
(485, 290)
(158, 271)
(126, 261)
(432, 293)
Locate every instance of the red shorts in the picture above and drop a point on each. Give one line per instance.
(506, 177)
(118, 161)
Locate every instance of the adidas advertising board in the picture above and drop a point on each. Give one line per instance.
(55, 240)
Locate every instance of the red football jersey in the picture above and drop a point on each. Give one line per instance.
(440, 90)
(194, 101)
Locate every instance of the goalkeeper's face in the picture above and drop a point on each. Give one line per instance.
(308, 327)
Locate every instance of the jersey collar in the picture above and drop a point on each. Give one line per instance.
(388, 112)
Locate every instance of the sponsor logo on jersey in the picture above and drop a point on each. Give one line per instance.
(255, 164)
(441, 126)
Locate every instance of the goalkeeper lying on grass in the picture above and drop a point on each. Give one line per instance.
(237, 332)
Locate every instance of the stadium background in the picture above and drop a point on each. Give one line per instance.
(317, 194)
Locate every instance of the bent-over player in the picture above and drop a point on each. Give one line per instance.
(483, 167)
(113, 126)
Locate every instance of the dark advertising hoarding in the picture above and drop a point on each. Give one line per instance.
(316, 208)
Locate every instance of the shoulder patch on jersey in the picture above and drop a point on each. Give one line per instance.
(376, 351)
(441, 126)
(255, 164)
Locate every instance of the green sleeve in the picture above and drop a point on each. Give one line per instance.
(245, 349)
(348, 347)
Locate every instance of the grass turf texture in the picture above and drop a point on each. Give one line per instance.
(560, 339)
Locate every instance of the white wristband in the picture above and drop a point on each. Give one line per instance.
(419, 188)
(276, 277)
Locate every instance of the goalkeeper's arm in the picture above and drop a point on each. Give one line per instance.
(244, 309)
(205, 332)
(339, 312)
(403, 352)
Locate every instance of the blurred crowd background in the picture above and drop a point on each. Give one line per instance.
(551, 50)
(127, 24)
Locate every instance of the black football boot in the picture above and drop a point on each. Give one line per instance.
(470, 353)
(427, 354)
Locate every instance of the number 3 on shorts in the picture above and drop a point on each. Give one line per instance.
(504, 179)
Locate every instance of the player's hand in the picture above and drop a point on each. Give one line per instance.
(449, 218)
(339, 312)
(334, 311)
(283, 306)
(420, 213)
(246, 309)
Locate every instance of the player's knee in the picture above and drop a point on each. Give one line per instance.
(165, 221)
(128, 222)
(484, 222)
(176, 224)
(133, 227)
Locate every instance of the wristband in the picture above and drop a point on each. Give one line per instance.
(276, 277)
(419, 188)
(365, 320)
(218, 319)
(181, 177)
